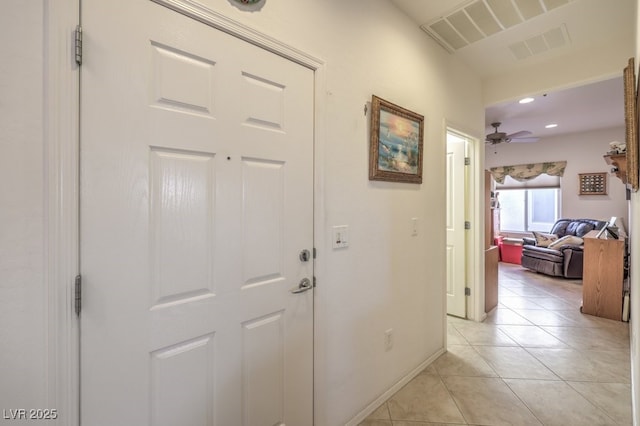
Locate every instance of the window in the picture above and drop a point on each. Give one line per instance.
(533, 205)
(529, 209)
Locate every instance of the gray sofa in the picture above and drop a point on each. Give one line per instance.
(565, 262)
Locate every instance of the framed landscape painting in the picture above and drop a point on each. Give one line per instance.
(395, 152)
(631, 125)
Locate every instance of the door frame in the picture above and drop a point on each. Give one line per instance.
(61, 90)
(475, 214)
(62, 153)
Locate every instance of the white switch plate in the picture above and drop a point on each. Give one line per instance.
(414, 226)
(388, 339)
(340, 236)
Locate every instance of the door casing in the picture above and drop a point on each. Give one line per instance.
(474, 214)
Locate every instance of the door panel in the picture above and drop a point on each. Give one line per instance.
(181, 233)
(182, 383)
(197, 196)
(455, 218)
(263, 345)
(263, 191)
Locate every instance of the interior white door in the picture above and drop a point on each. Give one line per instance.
(456, 257)
(196, 201)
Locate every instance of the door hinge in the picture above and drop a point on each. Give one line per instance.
(78, 45)
(467, 291)
(467, 161)
(78, 294)
(467, 224)
(314, 253)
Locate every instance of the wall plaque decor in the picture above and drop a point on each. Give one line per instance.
(593, 183)
(395, 151)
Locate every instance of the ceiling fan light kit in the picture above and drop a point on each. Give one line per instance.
(499, 137)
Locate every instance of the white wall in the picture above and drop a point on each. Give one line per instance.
(385, 279)
(23, 312)
(584, 154)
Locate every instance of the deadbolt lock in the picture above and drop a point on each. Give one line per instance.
(305, 255)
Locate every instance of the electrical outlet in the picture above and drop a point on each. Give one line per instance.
(388, 339)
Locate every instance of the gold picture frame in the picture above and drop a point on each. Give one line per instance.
(631, 125)
(592, 183)
(395, 151)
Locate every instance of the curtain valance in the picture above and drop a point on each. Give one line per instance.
(525, 172)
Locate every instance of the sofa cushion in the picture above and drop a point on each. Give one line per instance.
(543, 253)
(543, 239)
(543, 266)
(577, 227)
(560, 227)
(567, 240)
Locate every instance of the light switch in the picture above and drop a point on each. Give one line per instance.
(414, 226)
(340, 236)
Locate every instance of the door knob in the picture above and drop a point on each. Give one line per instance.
(305, 285)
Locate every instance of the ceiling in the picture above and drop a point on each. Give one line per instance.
(520, 34)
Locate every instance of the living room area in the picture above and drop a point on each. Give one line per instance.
(542, 213)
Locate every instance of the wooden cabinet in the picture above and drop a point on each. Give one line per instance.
(603, 276)
(490, 278)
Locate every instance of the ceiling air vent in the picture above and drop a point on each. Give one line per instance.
(529, 8)
(552, 39)
(482, 18)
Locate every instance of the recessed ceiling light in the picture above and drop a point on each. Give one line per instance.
(551, 126)
(526, 100)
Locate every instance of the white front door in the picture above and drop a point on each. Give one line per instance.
(196, 201)
(456, 270)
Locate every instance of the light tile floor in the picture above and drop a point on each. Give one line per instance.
(535, 360)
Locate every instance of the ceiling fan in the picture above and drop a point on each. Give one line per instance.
(498, 137)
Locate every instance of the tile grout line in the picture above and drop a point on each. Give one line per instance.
(523, 403)
(591, 402)
(450, 394)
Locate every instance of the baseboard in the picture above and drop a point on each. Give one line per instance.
(393, 389)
